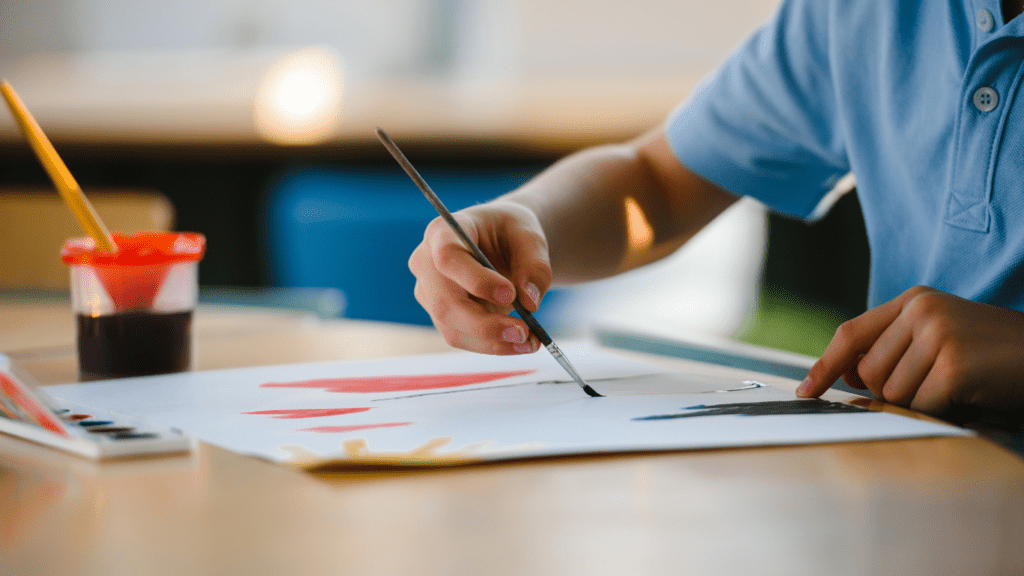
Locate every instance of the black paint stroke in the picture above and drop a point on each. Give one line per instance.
(772, 408)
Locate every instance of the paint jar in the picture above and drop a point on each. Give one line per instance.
(134, 307)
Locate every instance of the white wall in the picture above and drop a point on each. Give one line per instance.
(709, 286)
(474, 38)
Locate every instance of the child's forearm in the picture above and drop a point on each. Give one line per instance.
(611, 208)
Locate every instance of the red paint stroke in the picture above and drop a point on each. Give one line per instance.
(374, 384)
(353, 428)
(308, 412)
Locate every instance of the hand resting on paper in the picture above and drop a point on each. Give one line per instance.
(931, 351)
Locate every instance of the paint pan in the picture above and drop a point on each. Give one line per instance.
(29, 413)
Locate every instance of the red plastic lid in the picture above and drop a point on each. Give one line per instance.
(138, 249)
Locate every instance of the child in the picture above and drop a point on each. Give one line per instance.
(917, 99)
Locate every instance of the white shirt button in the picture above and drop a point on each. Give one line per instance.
(986, 99)
(984, 20)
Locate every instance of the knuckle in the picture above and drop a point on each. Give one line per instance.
(872, 381)
(847, 333)
(933, 328)
(454, 339)
(938, 333)
(926, 305)
(427, 296)
(446, 257)
(435, 226)
(473, 341)
(536, 238)
(542, 272)
(497, 348)
(416, 261)
(918, 290)
(896, 394)
(481, 286)
(898, 397)
(418, 268)
(870, 374)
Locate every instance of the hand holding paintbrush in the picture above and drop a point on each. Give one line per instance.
(481, 258)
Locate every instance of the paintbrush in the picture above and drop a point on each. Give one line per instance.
(58, 171)
(535, 326)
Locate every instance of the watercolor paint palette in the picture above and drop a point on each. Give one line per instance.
(29, 413)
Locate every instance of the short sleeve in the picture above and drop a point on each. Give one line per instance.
(765, 124)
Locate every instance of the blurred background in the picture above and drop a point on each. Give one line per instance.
(252, 121)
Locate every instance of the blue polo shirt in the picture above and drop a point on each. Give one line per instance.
(916, 98)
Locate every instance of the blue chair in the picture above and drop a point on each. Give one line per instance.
(353, 229)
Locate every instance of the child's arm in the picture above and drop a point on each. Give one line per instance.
(568, 224)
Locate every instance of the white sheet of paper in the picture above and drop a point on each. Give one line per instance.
(462, 407)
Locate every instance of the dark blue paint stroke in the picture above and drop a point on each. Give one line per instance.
(772, 408)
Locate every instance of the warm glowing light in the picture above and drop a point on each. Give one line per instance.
(299, 99)
(638, 229)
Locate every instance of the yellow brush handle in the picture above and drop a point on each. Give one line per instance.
(58, 171)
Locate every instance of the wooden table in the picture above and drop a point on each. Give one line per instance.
(927, 506)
